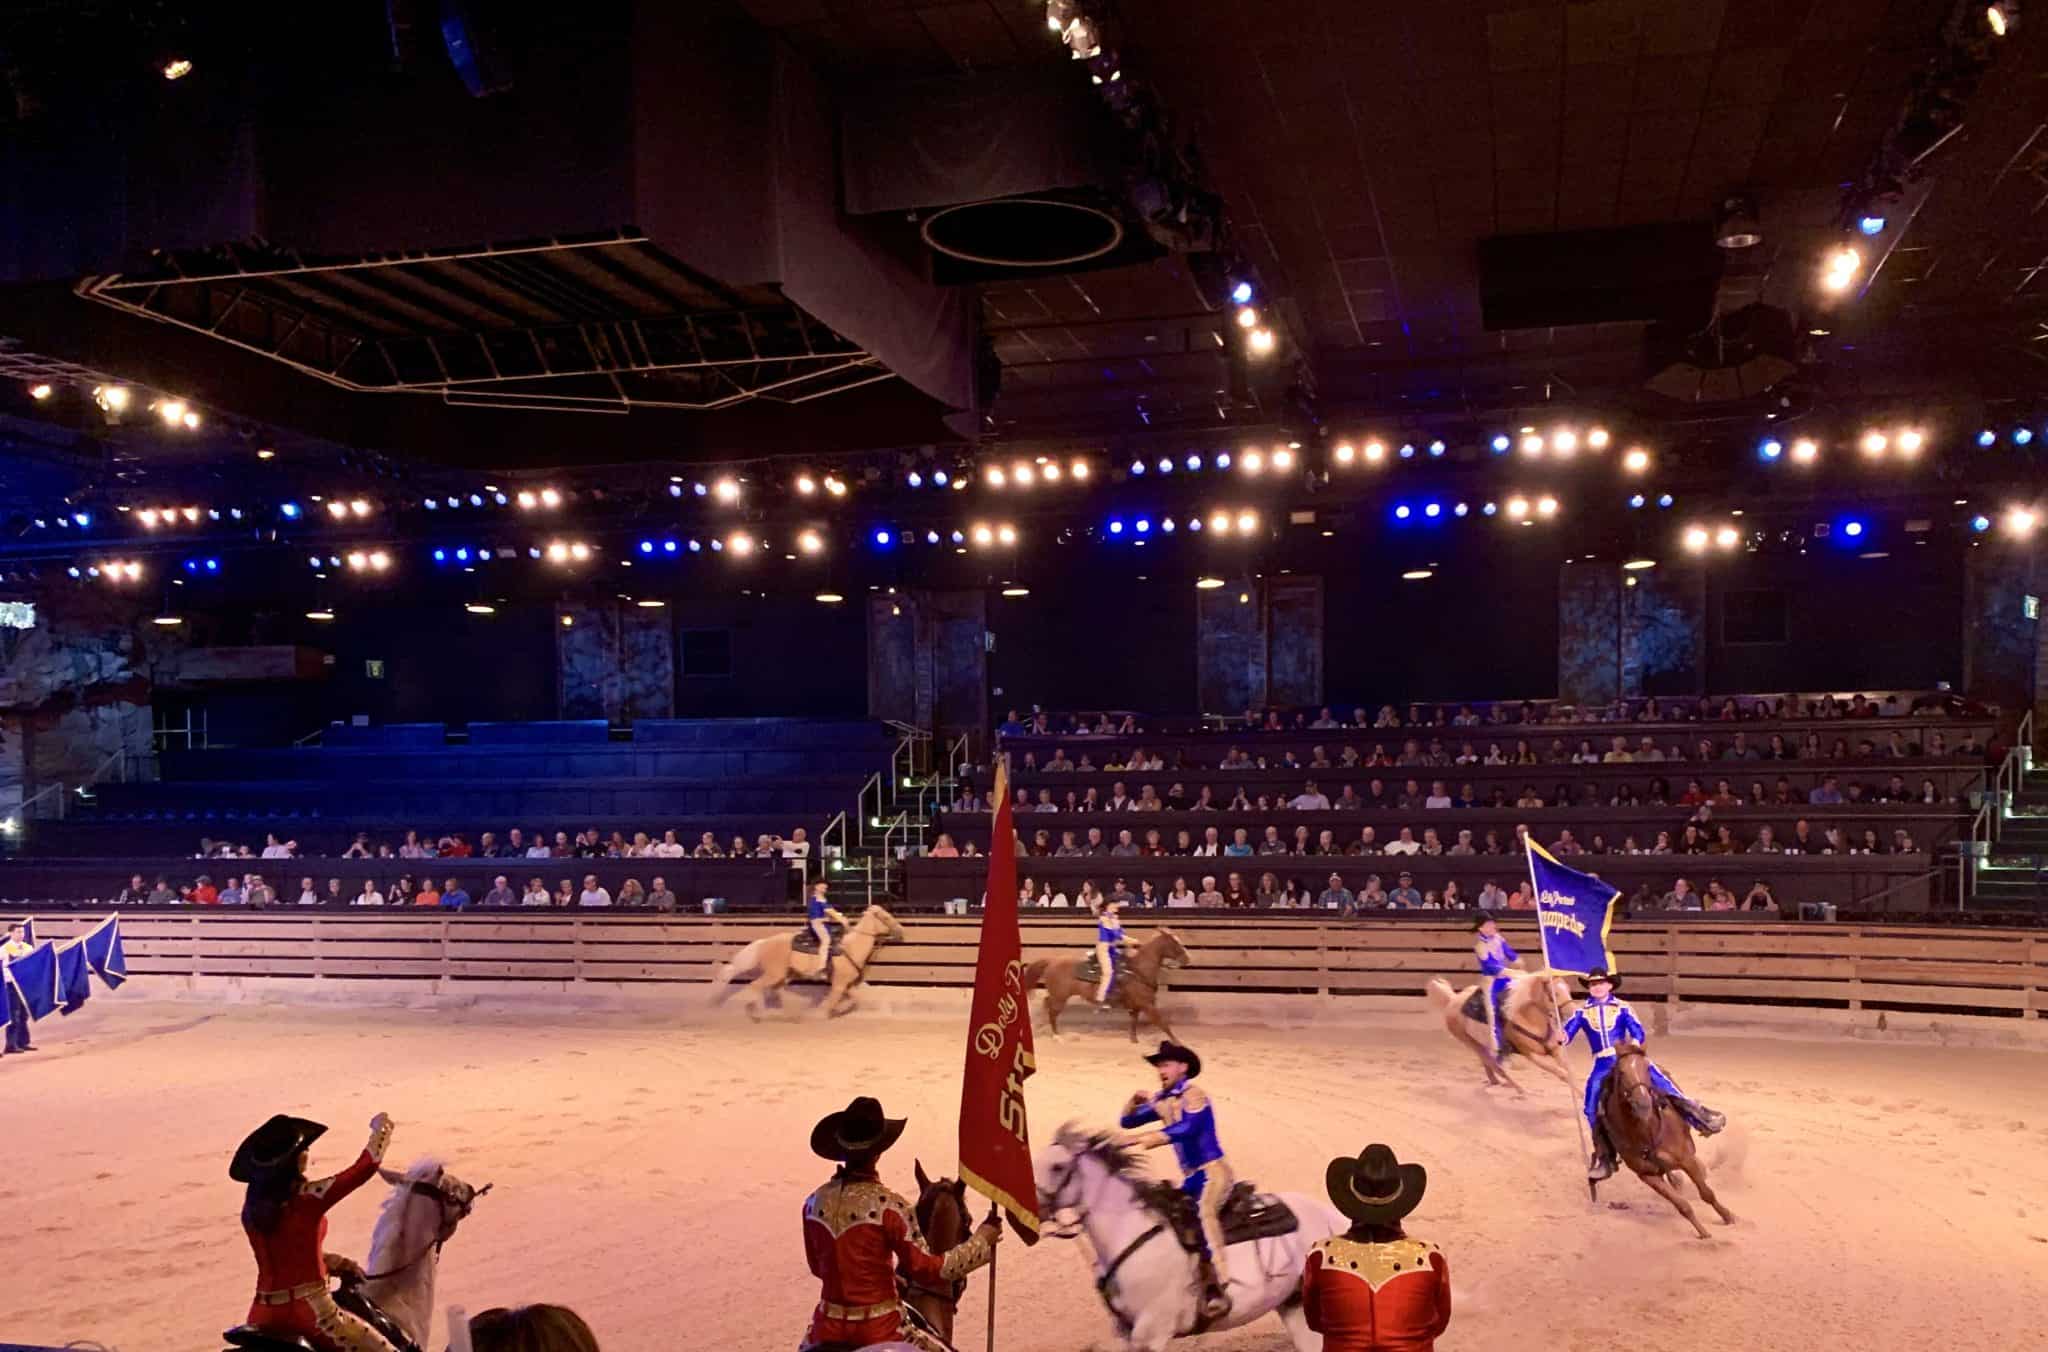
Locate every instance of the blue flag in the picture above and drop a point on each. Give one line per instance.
(103, 952)
(1574, 911)
(74, 982)
(34, 978)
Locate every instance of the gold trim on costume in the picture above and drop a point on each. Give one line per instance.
(1375, 1264)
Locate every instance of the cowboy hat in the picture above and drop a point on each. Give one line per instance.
(1589, 978)
(272, 1146)
(1173, 1051)
(1375, 1188)
(1480, 923)
(858, 1129)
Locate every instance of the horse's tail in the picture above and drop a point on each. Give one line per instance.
(1441, 996)
(1034, 975)
(746, 960)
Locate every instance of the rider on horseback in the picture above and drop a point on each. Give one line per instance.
(1188, 1119)
(859, 1238)
(1495, 958)
(285, 1217)
(1110, 946)
(822, 915)
(1607, 1022)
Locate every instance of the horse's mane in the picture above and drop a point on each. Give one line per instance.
(391, 1216)
(1531, 988)
(1124, 1161)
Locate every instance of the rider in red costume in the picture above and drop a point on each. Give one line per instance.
(285, 1217)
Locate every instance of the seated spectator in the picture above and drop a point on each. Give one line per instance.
(1766, 841)
(565, 893)
(1529, 798)
(1681, 897)
(1724, 841)
(1208, 896)
(593, 894)
(1759, 898)
(412, 848)
(1335, 896)
(1240, 844)
(230, 891)
(203, 891)
(428, 895)
(1724, 795)
(1404, 897)
(1310, 799)
(1269, 896)
(1695, 794)
(1646, 750)
(1095, 844)
(631, 893)
(1212, 844)
(1368, 842)
(273, 848)
(1271, 843)
(1125, 847)
(257, 893)
(1718, 897)
(1902, 842)
(1347, 800)
(1041, 844)
(1438, 798)
(334, 896)
(707, 847)
(359, 848)
(1411, 796)
(1371, 897)
(369, 896)
(1235, 896)
(453, 896)
(738, 849)
(1045, 802)
(1491, 898)
(501, 893)
(455, 847)
(1120, 799)
(1180, 896)
(1432, 844)
(1566, 844)
(1462, 845)
(308, 894)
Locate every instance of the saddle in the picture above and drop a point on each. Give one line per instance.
(1090, 970)
(1246, 1215)
(807, 942)
(350, 1298)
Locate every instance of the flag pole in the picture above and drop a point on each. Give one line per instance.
(1529, 848)
(992, 1299)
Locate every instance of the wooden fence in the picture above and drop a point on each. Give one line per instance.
(1979, 971)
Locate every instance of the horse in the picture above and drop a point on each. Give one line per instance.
(777, 961)
(941, 1213)
(393, 1289)
(1650, 1136)
(1528, 1023)
(1150, 1283)
(1137, 984)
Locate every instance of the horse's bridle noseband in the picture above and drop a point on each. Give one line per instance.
(453, 1213)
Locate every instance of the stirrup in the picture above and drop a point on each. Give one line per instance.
(1601, 1168)
(1706, 1121)
(1215, 1303)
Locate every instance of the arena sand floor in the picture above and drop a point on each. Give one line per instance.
(651, 1175)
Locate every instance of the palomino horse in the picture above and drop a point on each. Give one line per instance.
(1528, 1023)
(941, 1213)
(1651, 1138)
(778, 962)
(1144, 1276)
(1136, 989)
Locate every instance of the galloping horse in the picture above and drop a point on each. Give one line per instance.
(778, 962)
(1528, 1023)
(1136, 989)
(941, 1213)
(1651, 1138)
(1144, 1275)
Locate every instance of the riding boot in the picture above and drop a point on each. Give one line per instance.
(1699, 1116)
(1603, 1164)
(1215, 1300)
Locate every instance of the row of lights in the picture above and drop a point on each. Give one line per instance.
(1220, 522)
(1560, 442)
(1029, 473)
(1517, 508)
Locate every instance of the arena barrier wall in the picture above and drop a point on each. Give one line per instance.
(1998, 973)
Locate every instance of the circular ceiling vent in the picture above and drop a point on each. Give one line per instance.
(1023, 232)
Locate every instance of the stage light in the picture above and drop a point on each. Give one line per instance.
(191, 514)
(172, 411)
(82, 518)
(1597, 439)
(1870, 225)
(1770, 448)
(1142, 526)
(1805, 450)
(1999, 19)
(1909, 441)
(1546, 506)
(1532, 444)
(2022, 435)
(1980, 523)
(1635, 460)
(807, 485)
(994, 477)
(147, 516)
(1433, 510)
(1345, 453)
(1695, 538)
(1987, 437)
(1874, 443)
(1247, 317)
(1166, 464)
(1853, 529)
(1407, 451)
(1137, 467)
(1219, 522)
(1375, 451)
(958, 537)
(1460, 510)
(668, 546)
(983, 535)
(647, 546)
(739, 543)
(1417, 575)
(557, 552)
(1241, 293)
(1079, 470)
(337, 509)
(1283, 459)
(362, 508)
(1564, 441)
(1262, 341)
(462, 554)
(1223, 459)
(1195, 523)
(1247, 522)
(166, 620)
(1637, 565)
(728, 489)
(675, 490)
(1208, 583)
(1636, 500)
(1518, 508)
(1194, 462)
(941, 478)
(73, 570)
(1006, 534)
(1252, 462)
(322, 615)
(111, 398)
(40, 392)
(699, 488)
(1116, 526)
(1167, 525)
(480, 608)
(475, 500)
(527, 499)
(1500, 445)
(1436, 450)
(2019, 521)
(1489, 509)
(1839, 272)
(1664, 500)
(358, 560)
(177, 68)
(1050, 472)
(550, 498)
(829, 598)
(1727, 537)
(1402, 511)
(696, 545)
(883, 539)
(1021, 475)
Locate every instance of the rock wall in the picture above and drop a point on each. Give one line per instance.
(615, 661)
(75, 690)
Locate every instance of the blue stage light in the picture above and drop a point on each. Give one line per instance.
(432, 504)
(1770, 448)
(1664, 500)
(1402, 512)
(1852, 528)
(213, 565)
(2022, 435)
(1489, 509)
(73, 570)
(1460, 510)
(1194, 523)
(1870, 225)
(1407, 450)
(647, 546)
(914, 479)
(440, 556)
(939, 477)
(1116, 527)
(699, 489)
(1436, 449)
(191, 565)
(1137, 467)
(696, 546)
(931, 537)
(476, 499)
(85, 518)
(959, 538)
(1500, 445)
(453, 501)
(1242, 293)
(1987, 437)
(1166, 464)
(1142, 526)
(1980, 523)
(675, 490)
(717, 545)
(1167, 525)
(1636, 500)
(1194, 463)
(1433, 510)
(668, 546)
(462, 554)
(290, 511)
(883, 539)
(500, 499)
(1223, 459)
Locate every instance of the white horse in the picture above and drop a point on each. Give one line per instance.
(426, 1204)
(1152, 1285)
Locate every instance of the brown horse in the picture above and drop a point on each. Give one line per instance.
(1529, 1023)
(1136, 989)
(1650, 1135)
(776, 960)
(941, 1213)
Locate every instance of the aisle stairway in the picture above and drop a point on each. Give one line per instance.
(2015, 876)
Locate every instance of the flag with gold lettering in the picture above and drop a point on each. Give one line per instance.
(1574, 912)
(995, 1142)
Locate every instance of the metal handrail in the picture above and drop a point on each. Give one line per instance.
(860, 806)
(901, 819)
(956, 758)
(311, 737)
(838, 823)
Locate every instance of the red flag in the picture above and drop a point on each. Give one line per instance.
(995, 1144)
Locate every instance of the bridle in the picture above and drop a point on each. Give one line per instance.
(949, 1293)
(1105, 1280)
(453, 1213)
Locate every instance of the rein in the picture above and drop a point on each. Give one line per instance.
(442, 1232)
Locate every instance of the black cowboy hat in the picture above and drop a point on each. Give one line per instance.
(274, 1145)
(1173, 1051)
(1375, 1188)
(1589, 978)
(858, 1129)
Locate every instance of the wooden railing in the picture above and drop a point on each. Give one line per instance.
(2001, 973)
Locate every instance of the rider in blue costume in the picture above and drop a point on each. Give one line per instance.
(1110, 945)
(1495, 958)
(1188, 1121)
(821, 915)
(1608, 1022)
